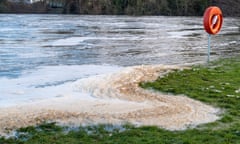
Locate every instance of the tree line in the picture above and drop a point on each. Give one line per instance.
(144, 7)
(129, 7)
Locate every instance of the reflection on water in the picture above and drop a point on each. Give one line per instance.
(29, 41)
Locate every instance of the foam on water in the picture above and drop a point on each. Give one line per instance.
(91, 94)
(68, 88)
(48, 82)
(72, 41)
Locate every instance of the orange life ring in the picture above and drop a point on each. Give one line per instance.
(212, 20)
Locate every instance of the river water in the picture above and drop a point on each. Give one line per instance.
(41, 55)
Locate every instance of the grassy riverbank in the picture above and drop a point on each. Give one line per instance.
(217, 84)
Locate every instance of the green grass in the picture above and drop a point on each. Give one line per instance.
(216, 84)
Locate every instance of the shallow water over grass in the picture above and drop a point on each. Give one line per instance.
(216, 84)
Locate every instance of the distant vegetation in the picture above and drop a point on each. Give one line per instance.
(144, 7)
(157, 7)
(127, 7)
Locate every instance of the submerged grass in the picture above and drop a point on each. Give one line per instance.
(217, 84)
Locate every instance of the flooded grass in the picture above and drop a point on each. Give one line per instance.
(216, 84)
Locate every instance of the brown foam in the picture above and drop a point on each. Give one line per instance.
(118, 99)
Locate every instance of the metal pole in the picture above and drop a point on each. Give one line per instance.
(209, 47)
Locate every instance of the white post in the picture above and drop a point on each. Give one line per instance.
(209, 47)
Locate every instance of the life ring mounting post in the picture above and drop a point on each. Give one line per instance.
(212, 22)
